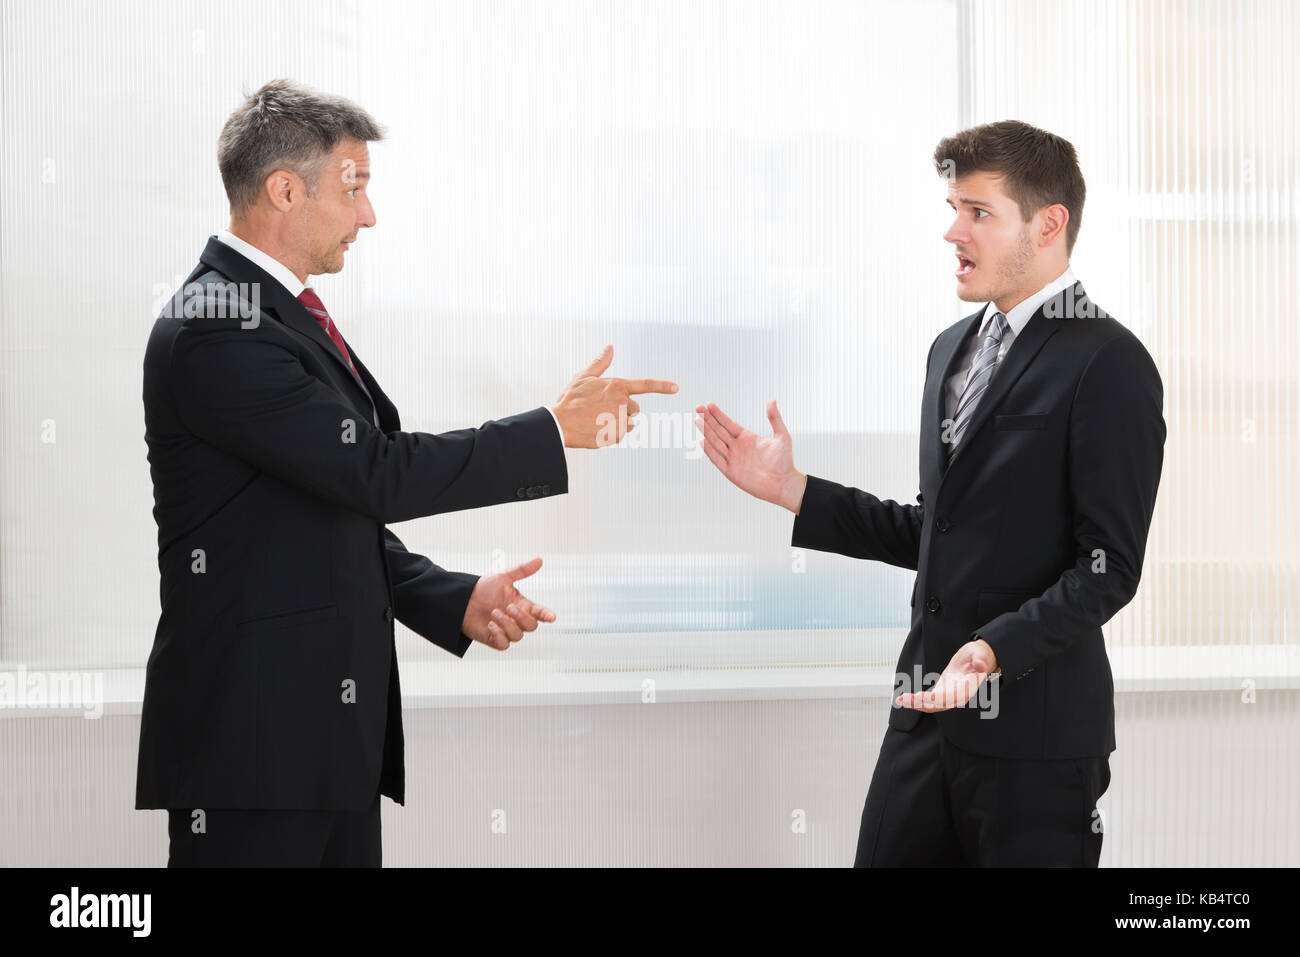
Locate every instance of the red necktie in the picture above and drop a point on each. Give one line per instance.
(313, 304)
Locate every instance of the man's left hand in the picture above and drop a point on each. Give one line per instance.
(973, 662)
(498, 614)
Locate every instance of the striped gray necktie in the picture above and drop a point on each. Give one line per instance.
(977, 380)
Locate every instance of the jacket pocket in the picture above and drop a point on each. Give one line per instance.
(310, 697)
(1018, 422)
(292, 619)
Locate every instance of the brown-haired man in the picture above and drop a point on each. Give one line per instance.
(1042, 440)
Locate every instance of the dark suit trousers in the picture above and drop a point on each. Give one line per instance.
(238, 838)
(932, 804)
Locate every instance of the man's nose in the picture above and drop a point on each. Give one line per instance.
(366, 215)
(955, 233)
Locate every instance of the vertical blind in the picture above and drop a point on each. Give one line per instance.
(1185, 118)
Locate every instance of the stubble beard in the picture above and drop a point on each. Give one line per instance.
(1009, 274)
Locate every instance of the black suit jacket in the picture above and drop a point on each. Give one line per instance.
(273, 680)
(1031, 537)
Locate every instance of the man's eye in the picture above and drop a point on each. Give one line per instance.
(353, 190)
(980, 212)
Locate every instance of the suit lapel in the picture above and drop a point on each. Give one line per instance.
(389, 421)
(276, 299)
(1042, 325)
(946, 351)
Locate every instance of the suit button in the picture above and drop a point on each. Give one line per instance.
(520, 493)
(932, 605)
(942, 525)
(388, 613)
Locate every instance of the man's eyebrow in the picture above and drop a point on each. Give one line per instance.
(970, 202)
(360, 174)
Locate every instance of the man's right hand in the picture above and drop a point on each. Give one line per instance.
(762, 467)
(594, 412)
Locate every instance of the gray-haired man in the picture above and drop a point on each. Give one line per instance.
(272, 714)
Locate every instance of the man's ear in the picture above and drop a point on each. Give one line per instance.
(284, 188)
(1053, 220)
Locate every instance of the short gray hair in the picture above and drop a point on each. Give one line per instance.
(285, 125)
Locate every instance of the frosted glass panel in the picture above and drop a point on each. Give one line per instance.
(729, 193)
(737, 196)
(1185, 118)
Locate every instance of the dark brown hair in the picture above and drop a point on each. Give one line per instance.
(1038, 168)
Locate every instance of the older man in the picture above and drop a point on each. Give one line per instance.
(272, 714)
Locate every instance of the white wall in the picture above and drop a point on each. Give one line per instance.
(1199, 779)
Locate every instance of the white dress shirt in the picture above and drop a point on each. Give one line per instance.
(1017, 319)
(285, 276)
(277, 269)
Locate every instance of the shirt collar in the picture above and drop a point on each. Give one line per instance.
(278, 270)
(1022, 312)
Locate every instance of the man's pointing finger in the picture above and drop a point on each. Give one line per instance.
(640, 386)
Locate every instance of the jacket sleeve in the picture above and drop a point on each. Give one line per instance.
(848, 521)
(429, 600)
(1116, 448)
(245, 392)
